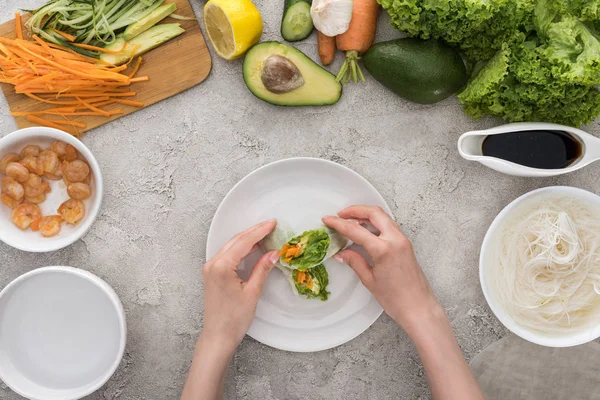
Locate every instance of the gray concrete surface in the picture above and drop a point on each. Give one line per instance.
(167, 168)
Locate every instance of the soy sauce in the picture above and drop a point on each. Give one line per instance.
(536, 149)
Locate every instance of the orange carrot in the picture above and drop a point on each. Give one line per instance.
(138, 64)
(99, 49)
(326, 48)
(67, 122)
(357, 39)
(19, 26)
(49, 124)
(75, 85)
(67, 36)
(128, 102)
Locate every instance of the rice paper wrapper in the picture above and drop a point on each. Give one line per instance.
(283, 234)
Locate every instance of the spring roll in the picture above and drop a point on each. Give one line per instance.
(307, 250)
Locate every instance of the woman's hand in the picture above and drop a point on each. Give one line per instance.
(230, 303)
(395, 279)
(397, 282)
(229, 307)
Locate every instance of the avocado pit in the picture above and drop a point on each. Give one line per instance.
(280, 75)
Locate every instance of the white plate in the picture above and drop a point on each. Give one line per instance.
(301, 191)
(62, 333)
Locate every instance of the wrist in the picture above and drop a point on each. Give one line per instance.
(216, 346)
(424, 321)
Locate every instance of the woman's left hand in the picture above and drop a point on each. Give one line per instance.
(229, 302)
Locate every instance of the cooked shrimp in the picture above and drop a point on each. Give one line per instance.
(7, 159)
(75, 171)
(17, 171)
(30, 150)
(50, 225)
(12, 188)
(31, 163)
(79, 191)
(39, 199)
(64, 151)
(35, 186)
(27, 215)
(56, 175)
(72, 211)
(9, 201)
(47, 162)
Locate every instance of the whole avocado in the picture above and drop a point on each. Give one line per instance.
(423, 71)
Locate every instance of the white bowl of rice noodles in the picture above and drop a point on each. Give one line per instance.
(540, 266)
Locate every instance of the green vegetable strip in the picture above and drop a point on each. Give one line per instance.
(95, 22)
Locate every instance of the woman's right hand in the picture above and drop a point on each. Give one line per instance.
(395, 278)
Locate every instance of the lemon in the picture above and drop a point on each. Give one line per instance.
(233, 26)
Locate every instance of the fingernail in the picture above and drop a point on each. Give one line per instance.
(339, 258)
(274, 257)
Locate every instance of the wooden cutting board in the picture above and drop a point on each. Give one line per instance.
(172, 68)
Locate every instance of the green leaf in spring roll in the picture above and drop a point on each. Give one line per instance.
(312, 283)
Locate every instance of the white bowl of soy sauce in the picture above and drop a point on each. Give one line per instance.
(531, 149)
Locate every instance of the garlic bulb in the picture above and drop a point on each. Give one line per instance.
(331, 17)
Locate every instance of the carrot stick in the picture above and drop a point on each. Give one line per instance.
(139, 79)
(93, 113)
(50, 110)
(129, 102)
(326, 48)
(99, 49)
(43, 122)
(67, 36)
(357, 39)
(93, 108)
(19, 26)
(67, 122)
(136, 68)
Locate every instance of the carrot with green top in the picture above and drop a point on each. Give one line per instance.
(357, 39)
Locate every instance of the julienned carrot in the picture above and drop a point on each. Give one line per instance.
(326, 48)
(99, 49)
(74, 84)
(66, 122)
(129, 102)
(67, 36)
(49, 124)
(138, 64)
(19, 26)
(50, 110)
(357, 39)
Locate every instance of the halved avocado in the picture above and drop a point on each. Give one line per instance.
(283, 75)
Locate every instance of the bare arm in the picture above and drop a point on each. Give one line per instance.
(229, 307)
(399, 285)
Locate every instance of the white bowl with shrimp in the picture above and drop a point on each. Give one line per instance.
(33, 241)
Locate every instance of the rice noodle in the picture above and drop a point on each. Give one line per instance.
(548, 265)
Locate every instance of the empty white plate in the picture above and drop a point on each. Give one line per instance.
(62, 333)
(301, 191)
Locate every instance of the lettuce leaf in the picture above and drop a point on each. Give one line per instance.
(477, 27)
(517, 84)
(320, 280)
(541, 57)
(315, 244)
